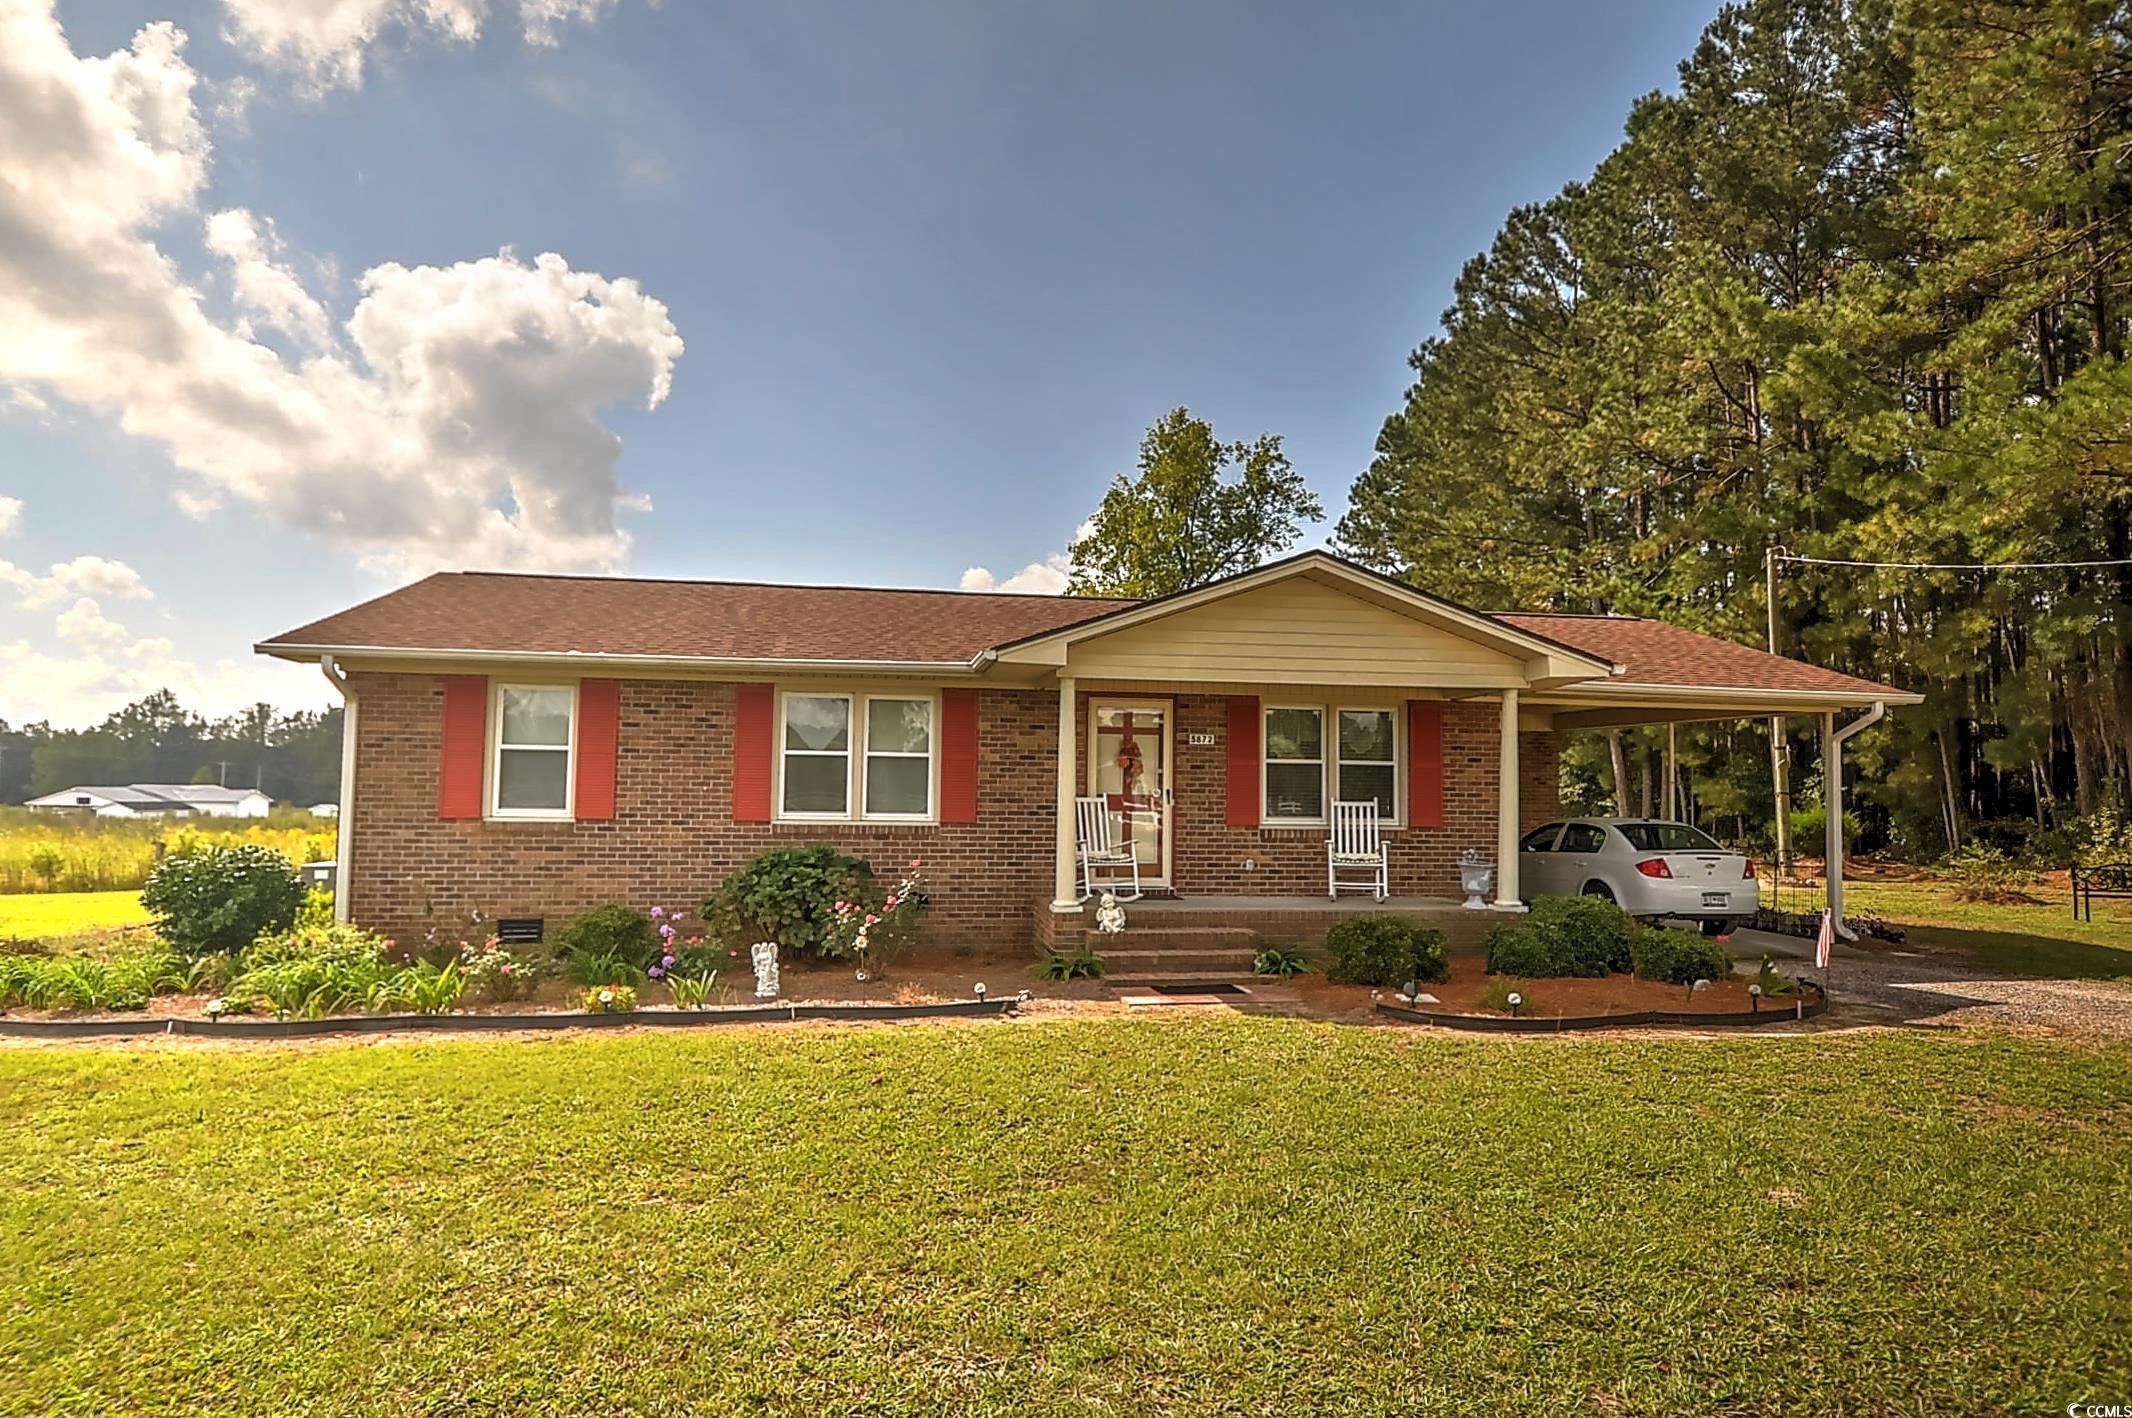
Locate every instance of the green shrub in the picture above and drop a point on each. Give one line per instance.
(1386, 950)
(1081, 964)
(790, 895)
(422, 988)
(584, 967)
(317, 909)
(1809, 829)
(615, 933)
(222, 898)
(1680, 957)
(1275, 960)
(125, 981)
(1580, 936)
(1983, 873)
(309, 973)
(608, 999)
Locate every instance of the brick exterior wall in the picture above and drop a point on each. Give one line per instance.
(1539, 779)
(673, 838)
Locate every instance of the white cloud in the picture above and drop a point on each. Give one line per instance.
(83, 576)
(265, 289)
(1039, 578)
(84, 624)
(79, 688)
(10, 514)
(452, 419)
(327, 41)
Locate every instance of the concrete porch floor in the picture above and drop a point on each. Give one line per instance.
(1347, 905)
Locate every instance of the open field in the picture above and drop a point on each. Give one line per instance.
(39, 852)
(2021, 940)
(1121, 1215)
(57, 916)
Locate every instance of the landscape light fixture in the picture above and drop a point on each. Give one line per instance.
(1516, 999)
(979, 987)
(1754, 999)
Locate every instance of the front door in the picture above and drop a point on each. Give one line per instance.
(1129, 767)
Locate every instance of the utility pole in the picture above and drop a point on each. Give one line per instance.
(1779, 767)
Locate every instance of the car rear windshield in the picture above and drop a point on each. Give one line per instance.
(1666, 837)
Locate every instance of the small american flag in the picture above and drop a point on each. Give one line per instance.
(1826, 940)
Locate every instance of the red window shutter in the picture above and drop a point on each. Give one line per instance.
(599, 725)
(754, 706)
(1425, 763)
(1243, 761)
(958, 755)
(465, 745)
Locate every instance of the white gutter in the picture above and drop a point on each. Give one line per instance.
(1833, 740)
(344, 824)
(579, 661)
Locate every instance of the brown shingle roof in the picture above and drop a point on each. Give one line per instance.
(1657, 653)
(506, 613)
(741, 620)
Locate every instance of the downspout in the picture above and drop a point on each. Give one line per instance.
(1832, 800)
(344, 824)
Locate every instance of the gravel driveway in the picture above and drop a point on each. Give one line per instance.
(1925, 989)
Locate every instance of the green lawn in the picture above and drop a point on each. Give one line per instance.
(58, 915)
(2024, 940)
(1175, 1214)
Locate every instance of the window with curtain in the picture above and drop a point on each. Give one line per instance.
(816, 745)
(899, 757)
(533, 742)
(1369, 771)
(1295, 765)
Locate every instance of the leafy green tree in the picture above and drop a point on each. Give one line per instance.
(1180, 522)
(1860, 286)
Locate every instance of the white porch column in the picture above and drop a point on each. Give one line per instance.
(1506, 810)
(1065, 885)
(1832, 809)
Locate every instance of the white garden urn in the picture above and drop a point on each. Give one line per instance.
(764, 954)
(1476, 877)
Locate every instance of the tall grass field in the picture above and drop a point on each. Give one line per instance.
(39, 853)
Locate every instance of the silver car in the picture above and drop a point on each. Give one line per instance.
(1650, 869)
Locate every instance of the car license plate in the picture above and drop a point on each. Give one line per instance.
(1717, 898)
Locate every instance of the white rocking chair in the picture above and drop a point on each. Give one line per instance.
(1097, 848)
(1355, 844)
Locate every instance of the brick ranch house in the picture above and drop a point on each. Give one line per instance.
(528, 746)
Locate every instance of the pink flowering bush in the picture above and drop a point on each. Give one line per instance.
(871, 931)
(495, 972)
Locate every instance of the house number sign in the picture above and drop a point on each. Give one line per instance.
(1199, 740)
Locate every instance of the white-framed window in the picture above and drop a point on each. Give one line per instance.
(856, 757)
(899, 757)
(1368, 764)
(536, 741)
(1305, 768)
(1295, 764)
(815, 756)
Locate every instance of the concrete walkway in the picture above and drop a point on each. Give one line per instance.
(1929, 990)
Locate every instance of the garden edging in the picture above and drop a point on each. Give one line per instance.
(474, 1023)
(1802, 1009)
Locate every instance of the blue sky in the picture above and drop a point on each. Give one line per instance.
(935, 268)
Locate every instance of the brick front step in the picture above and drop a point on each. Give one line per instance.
(1131, 965)
(1179, 937)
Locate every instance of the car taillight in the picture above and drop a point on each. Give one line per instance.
(1747, 870)
(1655, 866)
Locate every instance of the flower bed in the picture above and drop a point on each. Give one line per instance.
(245, 1027)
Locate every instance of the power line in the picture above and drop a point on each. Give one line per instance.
(1949, 565)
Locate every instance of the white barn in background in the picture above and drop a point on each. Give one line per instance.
(155, 800)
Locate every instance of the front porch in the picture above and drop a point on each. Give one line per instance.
(1181, 937)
